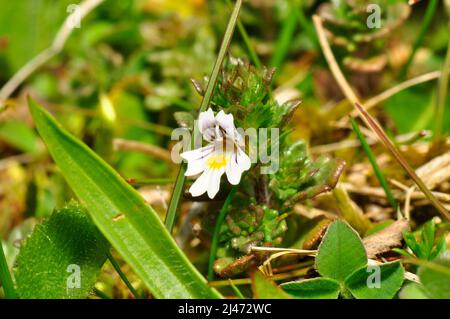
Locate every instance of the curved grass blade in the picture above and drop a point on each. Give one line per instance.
(132, 227)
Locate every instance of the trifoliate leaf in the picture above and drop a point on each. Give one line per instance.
(341, 252)
(376, 282)
(315, 288)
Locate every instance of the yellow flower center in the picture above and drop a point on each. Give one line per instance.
(217, 161)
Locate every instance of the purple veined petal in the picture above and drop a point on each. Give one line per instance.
(206, 120)
(226, 122)
(196, 166)
(197, 153)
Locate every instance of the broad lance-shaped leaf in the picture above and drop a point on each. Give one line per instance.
(62, 257)
(315, 288)
(131, 226)
(376, 282)
(341, 252)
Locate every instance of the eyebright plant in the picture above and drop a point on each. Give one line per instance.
(258, 213)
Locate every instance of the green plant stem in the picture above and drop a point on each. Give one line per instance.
(122, 276)
(390, 197)
(428, 17)
(442, 94)
(248, 42)
(236, 290)
(5, 276)
(175, 200)
(215, 238)
(176, 195)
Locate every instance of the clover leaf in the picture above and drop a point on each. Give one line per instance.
(342, 262)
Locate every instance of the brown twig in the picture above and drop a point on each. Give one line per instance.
(373, 124)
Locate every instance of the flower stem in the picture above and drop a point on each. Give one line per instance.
(215, 238)
(122, 275)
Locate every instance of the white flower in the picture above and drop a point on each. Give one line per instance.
(223, 154)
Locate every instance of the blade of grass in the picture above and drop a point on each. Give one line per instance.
(442, 94)
(247, 41)
(121, 274)
(178, 188)
(5, 276)
(372, 123)
(374, 164)
(285, 39)
(215, 238)
(428, 17)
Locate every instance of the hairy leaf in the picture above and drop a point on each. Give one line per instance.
(299, 177)
(62, 256)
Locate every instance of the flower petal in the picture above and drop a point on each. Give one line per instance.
(200, 186)
(206, 120)
(197, 153)
(214, 182)
(195, 167)
(226, 122)
(233, 171)
(243, 160)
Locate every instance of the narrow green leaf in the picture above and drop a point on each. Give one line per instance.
(390, 197)
(5, 276)
(376, 282)
(341, 252)
(62, 257)
(315, 288)
(264, 288)
(131, 226)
